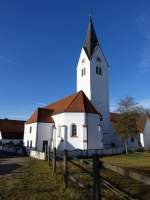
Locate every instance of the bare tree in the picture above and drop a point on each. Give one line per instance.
(127, 126)
(127, 105)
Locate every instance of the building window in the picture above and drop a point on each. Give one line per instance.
(132, 139)
(83, 60)
(27, 143)
(98, 70)
(101, 118)
(98, 59)
(73, 130)
(83, 71)
(30, 129)
(30, 143)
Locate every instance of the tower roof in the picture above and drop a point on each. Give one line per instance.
(91, 41)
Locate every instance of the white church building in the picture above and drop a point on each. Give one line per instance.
(81, 120)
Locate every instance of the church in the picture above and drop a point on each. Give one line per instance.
(81, 120)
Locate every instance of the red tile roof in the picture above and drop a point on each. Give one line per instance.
(41, 115)
(11, 129)
(77, 102)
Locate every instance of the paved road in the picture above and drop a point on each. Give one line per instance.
(10, 162)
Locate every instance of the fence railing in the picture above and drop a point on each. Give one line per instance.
(96, 165)
(88, 153)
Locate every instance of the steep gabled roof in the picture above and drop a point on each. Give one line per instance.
(77, 102)
(91, 41)
(40, 115)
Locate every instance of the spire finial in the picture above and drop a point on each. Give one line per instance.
(90, 16)
(91, 41)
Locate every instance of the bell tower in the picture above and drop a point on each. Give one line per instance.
(92, 75)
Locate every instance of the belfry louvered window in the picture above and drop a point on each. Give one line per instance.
(83, 71)
(98, 70)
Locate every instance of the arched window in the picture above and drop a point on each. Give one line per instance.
(73, 130)
(27, 143)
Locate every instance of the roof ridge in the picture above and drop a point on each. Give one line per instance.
(76, 95)
(58, 100)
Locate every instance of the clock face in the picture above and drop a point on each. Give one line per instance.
(83, 60)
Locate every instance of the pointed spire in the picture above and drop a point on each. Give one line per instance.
(91, 41)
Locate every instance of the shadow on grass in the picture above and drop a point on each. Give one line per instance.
(8, 168)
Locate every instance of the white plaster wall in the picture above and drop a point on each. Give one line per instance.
(99, 87)
(30, 136)
(37, 154)
(146, 135)
(67, 119)
(95, 139)
(83, 82)
(44, 133)
(81, 120)
(96, 89)
(95, 86)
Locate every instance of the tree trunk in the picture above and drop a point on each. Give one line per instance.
(126, 145)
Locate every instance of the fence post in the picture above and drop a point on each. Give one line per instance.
(45, 151)
(49, 151)
(65, 169)
(96, 178)
(54, 160)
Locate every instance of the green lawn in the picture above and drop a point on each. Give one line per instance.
(138, 161)
(36, 181)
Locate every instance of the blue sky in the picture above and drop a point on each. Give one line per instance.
(40, 43)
